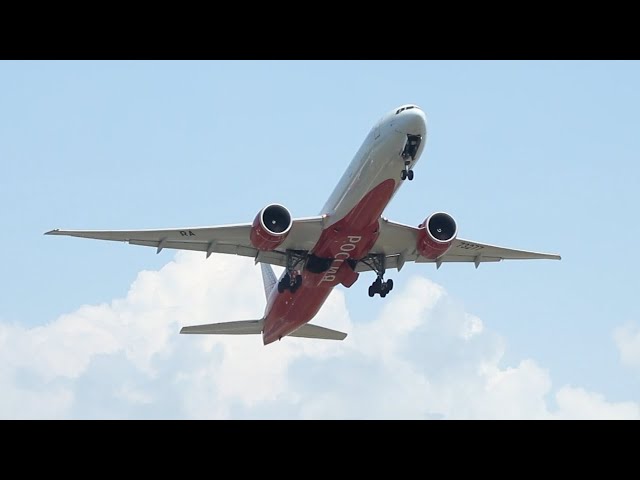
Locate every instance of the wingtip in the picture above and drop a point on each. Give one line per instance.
(52, 232)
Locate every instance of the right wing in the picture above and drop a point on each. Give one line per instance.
(398, 243)
(231, 239)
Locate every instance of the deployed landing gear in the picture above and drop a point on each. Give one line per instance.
(407, 173)
(292, 280)
(381, 287)
(376, 263)
(409, 154)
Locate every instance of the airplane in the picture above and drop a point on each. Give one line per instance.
(348, 237)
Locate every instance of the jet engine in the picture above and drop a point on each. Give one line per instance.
(270, 227)
(437, 233)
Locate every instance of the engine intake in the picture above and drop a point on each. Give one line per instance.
(437, 233)
(270, 227)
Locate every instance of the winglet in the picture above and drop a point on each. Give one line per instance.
(52, 232)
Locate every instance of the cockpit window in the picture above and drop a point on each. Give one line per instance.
(405, 108)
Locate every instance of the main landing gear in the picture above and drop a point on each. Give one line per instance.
(380, 287)
(292, 280)
(409, 154)
(376, 263)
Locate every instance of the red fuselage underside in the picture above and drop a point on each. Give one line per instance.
(350, 238)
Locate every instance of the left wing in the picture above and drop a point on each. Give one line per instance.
(231, 239)
(398, 242)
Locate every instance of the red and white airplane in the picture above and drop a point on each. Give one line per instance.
(347, 238)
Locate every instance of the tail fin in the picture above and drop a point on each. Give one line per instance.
(268, 279)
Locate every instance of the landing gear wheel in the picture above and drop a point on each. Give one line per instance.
(410, 175)
(297, 284)
(284, 283)
(292, 279)
(381, 287)
(403, 175)
(376, 263)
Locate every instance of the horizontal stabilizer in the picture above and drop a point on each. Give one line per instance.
(244, 327)
(314, 331)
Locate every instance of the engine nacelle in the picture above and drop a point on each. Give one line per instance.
(437, 233)
(270, 227)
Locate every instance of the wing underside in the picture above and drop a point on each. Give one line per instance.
(229, 239)
(398, 243)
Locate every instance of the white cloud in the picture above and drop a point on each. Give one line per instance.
(423, 357)
(575, 403)
(627, 338)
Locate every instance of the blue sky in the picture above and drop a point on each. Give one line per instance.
(533, 155)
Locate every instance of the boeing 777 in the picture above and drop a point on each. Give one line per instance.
(348, 237)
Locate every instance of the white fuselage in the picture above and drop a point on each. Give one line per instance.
(352, 227)
(377, 160)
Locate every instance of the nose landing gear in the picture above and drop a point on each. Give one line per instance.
(407, 173)
(408, 154)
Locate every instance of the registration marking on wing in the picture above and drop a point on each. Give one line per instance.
(470, 246)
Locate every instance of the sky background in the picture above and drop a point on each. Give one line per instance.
(533, 155)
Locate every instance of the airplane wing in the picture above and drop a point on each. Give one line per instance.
(398, 242)
(231, 239)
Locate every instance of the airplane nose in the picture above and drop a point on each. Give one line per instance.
(412, 122)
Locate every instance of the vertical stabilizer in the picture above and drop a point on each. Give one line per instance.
(268, 279)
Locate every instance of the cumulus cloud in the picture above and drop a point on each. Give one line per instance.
(575, 403)
(627, 338)
(423, 357)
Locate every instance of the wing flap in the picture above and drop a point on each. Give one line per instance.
(314, 331)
